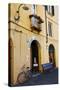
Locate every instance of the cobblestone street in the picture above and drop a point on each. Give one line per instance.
(43, 78)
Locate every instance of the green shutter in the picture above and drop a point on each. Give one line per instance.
(53, 10)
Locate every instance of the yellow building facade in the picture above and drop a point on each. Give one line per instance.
(33, 37)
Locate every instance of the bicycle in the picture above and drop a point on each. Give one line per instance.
(24, 76)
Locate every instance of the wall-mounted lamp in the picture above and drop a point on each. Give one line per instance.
(17, 15)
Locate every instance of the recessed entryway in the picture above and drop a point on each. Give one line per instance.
(52, 54)
(10, 62)
(35, 56)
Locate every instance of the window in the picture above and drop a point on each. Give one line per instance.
(50, 28)
(50, 9)
(33, 8)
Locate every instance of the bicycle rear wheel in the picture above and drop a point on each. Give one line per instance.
(21, 78)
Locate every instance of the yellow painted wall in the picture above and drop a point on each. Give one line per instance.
(22, 38)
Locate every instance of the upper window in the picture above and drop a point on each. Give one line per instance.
(33, 9)
(50, 9)
(50, 28)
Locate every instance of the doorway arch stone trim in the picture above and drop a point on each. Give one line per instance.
(39, 52)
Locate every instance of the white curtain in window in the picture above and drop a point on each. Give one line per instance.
(33, 9)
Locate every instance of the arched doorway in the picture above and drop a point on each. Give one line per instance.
(52, 54)
(35, 56)
(10, 62)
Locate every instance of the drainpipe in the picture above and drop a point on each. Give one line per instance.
(46, 33)
(46, 26)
